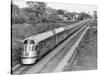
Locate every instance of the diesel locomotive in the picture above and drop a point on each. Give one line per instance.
(35, 46)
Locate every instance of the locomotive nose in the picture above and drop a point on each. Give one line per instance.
(29, 54)
(26, 61)
(29, 58)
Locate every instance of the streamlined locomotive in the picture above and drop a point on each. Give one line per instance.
(35, 46)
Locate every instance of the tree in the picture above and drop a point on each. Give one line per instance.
(61, 12)
(37, 7)
(84, 15)
(18, 15)
(69, 15)
(95, 14)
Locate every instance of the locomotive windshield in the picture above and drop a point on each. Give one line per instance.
(25, 42)
(28, 45)
(31, 42)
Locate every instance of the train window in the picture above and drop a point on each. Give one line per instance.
(41, 46)
(32, 48)
(31, 42)
(44, 43)
(25, 42)
(25, 48)
(36, 48)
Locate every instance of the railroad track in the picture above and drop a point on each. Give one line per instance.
(69, 57)
(45, 62)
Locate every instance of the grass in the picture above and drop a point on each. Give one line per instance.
(86, 58)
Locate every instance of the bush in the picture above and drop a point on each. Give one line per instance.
(19, 20)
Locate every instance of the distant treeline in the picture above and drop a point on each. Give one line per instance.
(38, 12)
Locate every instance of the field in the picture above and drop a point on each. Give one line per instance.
(86, 58)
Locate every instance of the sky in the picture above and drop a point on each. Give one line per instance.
(65, 6)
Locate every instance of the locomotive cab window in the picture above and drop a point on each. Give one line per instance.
(25, 42)
(31, 42)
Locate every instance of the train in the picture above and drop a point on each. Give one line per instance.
(35, 46)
